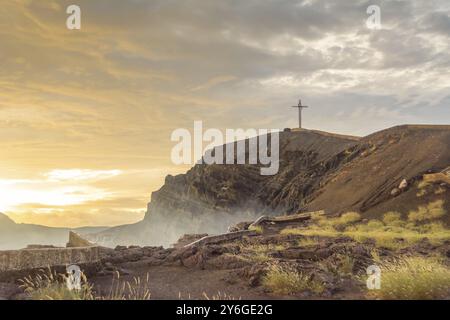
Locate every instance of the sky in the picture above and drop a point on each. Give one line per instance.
(86, 115)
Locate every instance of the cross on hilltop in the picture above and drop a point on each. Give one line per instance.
(300, 108)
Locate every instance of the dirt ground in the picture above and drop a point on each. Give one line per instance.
(183, 283)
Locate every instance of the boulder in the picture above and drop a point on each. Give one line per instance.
(403, 185)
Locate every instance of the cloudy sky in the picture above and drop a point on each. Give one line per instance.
(86, 115)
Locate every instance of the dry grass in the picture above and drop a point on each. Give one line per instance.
(342, 266)
(287, 281)
(257, 229)
(137, 289)
(338, 222)
(392, 232)
(391, 218)
(414, 278)
(421, 193)
(432, 211)
(48, 285)
(305, 242)
(259, 253)
(220, 296)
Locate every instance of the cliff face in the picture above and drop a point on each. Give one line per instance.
(305, 157)
(318, 171)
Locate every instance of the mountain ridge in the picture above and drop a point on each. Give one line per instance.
(19, 235)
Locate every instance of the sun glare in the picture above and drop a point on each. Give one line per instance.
(57, 188)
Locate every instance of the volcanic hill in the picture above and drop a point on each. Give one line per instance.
(318, 171)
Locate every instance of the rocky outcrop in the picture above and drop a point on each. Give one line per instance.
(75, 240)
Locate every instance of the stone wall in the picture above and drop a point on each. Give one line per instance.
(28, 259)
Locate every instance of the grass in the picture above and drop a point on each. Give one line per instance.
(391, 217)
(305, 242)
(220, 296)
(432, 211)
(338, 222)
(137, 289)
(342, 266)
(259, 253)
(413, 278)
(423, 184)
(257, 229)
(391, 232)
(421, 193)
(287, 281)
(48, 285)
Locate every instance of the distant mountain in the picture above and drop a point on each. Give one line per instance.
(318, 171)
(18, 236)
(5, 221)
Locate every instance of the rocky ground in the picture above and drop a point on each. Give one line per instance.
(235, 267)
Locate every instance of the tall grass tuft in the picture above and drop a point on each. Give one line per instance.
(48, 285)
(414, 278)
(137, 289)
(287, 281)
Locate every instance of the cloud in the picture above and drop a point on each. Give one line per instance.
(107, 97)
(80, 174)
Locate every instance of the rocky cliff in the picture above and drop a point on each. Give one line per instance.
(318, 171)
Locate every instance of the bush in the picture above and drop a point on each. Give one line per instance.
(414, 278)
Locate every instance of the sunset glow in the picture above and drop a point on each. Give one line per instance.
(86, 115)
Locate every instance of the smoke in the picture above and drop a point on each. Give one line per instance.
(164, 227)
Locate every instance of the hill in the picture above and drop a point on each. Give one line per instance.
(18, 236)
(318, 171)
